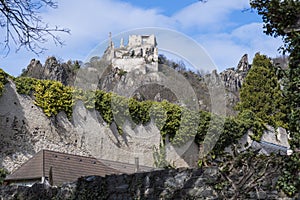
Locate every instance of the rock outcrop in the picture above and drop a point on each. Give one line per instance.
(53, 70)
(150, 85)
(25, 130)
(233, 78)
(272, 141)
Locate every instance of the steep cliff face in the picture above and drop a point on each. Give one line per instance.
(151, 86)
(25, 130)
(233, 78)
(233, 81)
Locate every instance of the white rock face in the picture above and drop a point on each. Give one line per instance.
(272, 141)
(25, 130)
(186, 155)
(277, 137)
(130, 64)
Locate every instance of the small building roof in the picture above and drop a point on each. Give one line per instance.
(68, 167)
(267, 148)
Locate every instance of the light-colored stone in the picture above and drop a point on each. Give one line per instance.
(278, 136)
(25, 130)
(140, 54)
(272, 141)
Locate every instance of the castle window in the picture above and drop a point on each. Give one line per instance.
(144, 39)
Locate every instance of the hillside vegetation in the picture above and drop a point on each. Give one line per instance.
(177, 123)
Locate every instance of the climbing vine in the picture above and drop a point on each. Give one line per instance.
(3, 80)
(3, 174)
(53, 96)
(25, 85)
(175, 122)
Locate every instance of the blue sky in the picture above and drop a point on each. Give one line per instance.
(222, 28)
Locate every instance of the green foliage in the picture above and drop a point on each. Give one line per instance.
(140, 111)
(53, 96)
(3, 174)
(188, 127)
(281, 18)
(176, 123)
(3, 80)
(172, 121)
(229, 129)
(289, 181)
(26, 85)
(103, 105)
(261, 93)
(159, 156)
(87, 97)
(122, 72)
(249, 121)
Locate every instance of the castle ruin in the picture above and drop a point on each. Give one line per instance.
(139, 54)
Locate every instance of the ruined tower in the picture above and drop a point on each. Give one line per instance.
(140, 54)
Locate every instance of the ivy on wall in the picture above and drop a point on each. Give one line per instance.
(176, 123)
(51, 96)
(3, 80)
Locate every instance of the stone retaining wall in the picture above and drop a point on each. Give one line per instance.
(163, 184)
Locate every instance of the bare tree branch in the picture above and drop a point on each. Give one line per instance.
(24, 27)
(245, 172)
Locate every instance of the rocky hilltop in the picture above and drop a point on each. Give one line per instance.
(231, 157)
(25, 129)
(137, 66)
(52, 70)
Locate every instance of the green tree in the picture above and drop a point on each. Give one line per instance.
(282, 18)
(3, 80)
(261, 93)
(3, 174)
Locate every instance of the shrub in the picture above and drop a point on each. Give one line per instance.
(3, 80)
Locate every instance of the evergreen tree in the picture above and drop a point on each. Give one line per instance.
(261, 92)
(281, 18)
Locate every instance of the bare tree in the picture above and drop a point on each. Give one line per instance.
(248, 172)
(24, 27)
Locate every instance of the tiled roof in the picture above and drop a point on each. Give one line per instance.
(68, 167)
(268, 148)
(31, 169)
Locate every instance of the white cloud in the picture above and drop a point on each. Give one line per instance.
(227, 49)
(94, 19)
(209, 15)
(90, 22)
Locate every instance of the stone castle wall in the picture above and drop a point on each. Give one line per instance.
(140, 54)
